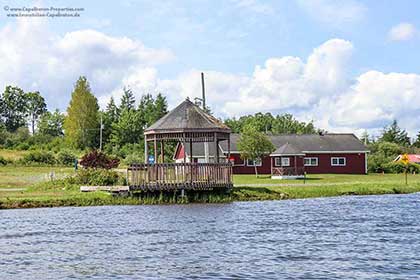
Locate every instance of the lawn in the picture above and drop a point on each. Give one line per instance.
(12, 154)
(23, 187)
(23, 176)
(327, 179)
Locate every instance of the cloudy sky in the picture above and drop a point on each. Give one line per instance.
(347, 65)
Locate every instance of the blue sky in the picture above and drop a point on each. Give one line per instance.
(337, 57)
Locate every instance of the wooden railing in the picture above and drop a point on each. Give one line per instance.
(288, 171)
(173, 176)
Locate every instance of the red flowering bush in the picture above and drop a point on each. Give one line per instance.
(98, 159)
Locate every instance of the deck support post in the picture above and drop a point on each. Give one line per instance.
(216, 149)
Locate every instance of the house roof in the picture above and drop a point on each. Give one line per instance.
(286, 149)
(411, 158)
(187, 117)
(307, 143)
(294, 144)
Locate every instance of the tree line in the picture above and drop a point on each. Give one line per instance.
(78, 128)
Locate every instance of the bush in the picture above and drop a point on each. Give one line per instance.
(66, 157)
(3, 161)
(39, 157)
(399, 167)
(96, 177)
(134, 158)
(97, 159)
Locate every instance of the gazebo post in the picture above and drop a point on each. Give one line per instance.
(162, 150)
(216, 149)
(155, 149)
(229, 149)
(146, 151)
(191, 151)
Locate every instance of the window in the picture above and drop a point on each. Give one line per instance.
(283, 161)
(310, 161)
(251, 162)
(338, 161)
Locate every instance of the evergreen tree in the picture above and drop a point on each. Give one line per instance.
(51, 124)
(36, 107)
(14, 108)
(161, 107)
(127, 101)
(81, 125)
(394, 134)
(128, 129)
(146, 109)
(112, 110)
(417, 141)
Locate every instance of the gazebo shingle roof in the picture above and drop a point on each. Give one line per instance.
(187, 117)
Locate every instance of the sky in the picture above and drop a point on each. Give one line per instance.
(347, 65)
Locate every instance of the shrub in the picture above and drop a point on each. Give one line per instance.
(66, 157)
(399, 167)
(3, 161)
(39, 157)
(134, 158)
(97, 159)
(96, 177)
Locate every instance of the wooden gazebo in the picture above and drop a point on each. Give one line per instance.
(187, 123)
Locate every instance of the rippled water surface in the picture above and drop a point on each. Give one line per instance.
(371, 237)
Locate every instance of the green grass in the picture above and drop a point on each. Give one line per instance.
(23, 176)
(12, 154)
(318, 179)
(36, 191)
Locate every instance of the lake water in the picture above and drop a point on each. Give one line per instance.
(370, 237)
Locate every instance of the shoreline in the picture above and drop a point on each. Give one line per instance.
(63, 198)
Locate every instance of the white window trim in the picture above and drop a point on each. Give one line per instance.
(338, 159)
(276, 161)
(253, 165)
(310, 158)
(288, 161)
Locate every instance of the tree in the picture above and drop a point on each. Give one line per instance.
(127, 100)
(161, 107)
(112, 111)
(51, 124)
(36, 107)
(254, 145)
(146, 109)
(81, 125)
(394, 134)
(14, 108)
(128, 129)
(280, 124)
(417, 141)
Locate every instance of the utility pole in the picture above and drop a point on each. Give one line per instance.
(100, 134)
(203, 90)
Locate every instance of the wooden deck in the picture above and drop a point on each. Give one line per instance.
(288, 171)
(178, 176)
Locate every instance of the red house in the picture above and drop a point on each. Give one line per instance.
(294, 155)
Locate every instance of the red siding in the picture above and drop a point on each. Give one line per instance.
(240, 166)
(355, 164)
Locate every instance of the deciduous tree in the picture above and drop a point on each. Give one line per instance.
(254, 145)
(81, 125)
(36, 107)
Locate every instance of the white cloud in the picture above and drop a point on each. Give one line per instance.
(402, 32)
(36, 59)
(254, 6)
(334, 13)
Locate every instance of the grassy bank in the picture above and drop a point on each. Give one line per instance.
(24, 187)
